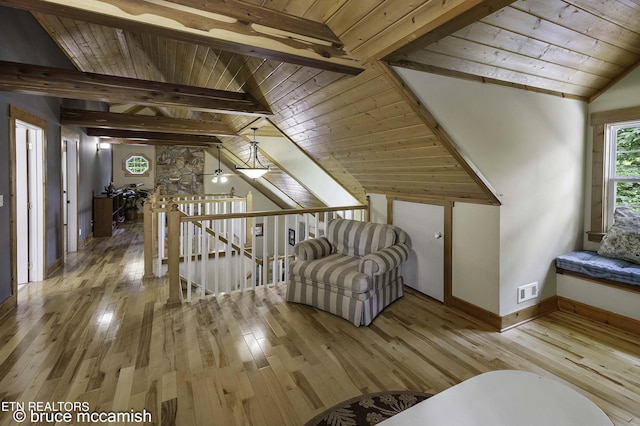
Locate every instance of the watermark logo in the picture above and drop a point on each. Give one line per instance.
(69, 412)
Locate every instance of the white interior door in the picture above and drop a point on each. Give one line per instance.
(36, 203)
(71, 188)
(63, 169)
(424, 271)
(22, 210)
(29, 202)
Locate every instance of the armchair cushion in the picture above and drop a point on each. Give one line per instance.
(384, 260)
(312, 249)
(356, 239)
(335, 270)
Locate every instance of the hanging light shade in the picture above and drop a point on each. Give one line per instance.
(253, 168)
(218, 174)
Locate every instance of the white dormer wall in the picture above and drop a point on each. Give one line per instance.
(531, 147)
(306, 171)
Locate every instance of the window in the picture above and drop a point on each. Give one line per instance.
(136, 165)
(615, 178)
(624, 167)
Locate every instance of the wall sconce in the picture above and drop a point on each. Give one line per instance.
(102, 145)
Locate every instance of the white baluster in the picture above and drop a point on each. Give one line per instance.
(253, 254)
(204, 260)
(326, 221)
(161, 238)
(265, 255)
(216, 261)
(242, 277)
(187, 257)
(287, 247)
(276, 250)
(228, 258)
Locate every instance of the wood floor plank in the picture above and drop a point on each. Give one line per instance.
(97, 332)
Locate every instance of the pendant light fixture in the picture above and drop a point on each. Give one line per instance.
(253, 168)
(218, 174)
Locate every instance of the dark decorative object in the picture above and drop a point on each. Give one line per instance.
(368, 409)
(292, 237)
(133, 196)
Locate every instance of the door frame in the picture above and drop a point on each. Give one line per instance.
(70, 137)
(16, 114)
(447, 237)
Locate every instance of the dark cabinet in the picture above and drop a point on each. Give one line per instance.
(108, 212)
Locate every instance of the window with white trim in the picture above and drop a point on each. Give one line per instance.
(136, 165)
(615, 172)
(623, 178)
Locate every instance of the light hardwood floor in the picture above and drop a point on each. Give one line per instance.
(97, 332)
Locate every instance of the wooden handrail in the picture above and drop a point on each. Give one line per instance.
(201, 201)
(271, 213)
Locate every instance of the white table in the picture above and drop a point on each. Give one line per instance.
(504, 397)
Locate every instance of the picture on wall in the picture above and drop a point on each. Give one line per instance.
(292, 237)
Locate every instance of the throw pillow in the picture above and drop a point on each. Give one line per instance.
(623, 239)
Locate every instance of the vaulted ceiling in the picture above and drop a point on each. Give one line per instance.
(321, 68)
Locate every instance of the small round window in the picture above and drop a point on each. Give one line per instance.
(137, 165)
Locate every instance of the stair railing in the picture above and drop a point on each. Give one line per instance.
(255, 248)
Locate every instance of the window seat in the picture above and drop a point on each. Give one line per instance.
(591, 265)
(601, 288)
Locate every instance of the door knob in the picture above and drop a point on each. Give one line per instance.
(437, 235)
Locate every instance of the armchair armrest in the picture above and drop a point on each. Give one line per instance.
(384, 260)
(315, 248)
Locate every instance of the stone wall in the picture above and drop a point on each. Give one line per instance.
(179, 170)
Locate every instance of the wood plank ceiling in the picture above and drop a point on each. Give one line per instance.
(366, 130)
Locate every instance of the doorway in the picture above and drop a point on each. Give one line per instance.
(70, 171)
(28, 201)
(426, 267)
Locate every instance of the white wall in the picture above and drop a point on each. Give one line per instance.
(531, 148)
(312, 176)
(476, 255)
(624, 94)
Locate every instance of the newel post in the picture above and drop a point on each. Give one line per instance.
(367, 212)
(148, 235)
(175, 289)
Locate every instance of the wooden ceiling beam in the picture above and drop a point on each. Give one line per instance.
(248, 31)
(41, 80)
(110, 120)
(154, 136)
(260, 15)
(442, 26)
(157, 143)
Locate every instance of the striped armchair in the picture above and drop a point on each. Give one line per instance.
(354, 271)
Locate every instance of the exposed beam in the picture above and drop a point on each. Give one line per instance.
(255, 14)
(211, 25)
(153, 136)
(157, 143)
(41, 80)
(448, 23)
(110, 120)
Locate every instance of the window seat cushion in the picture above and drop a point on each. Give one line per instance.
(601, 267)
